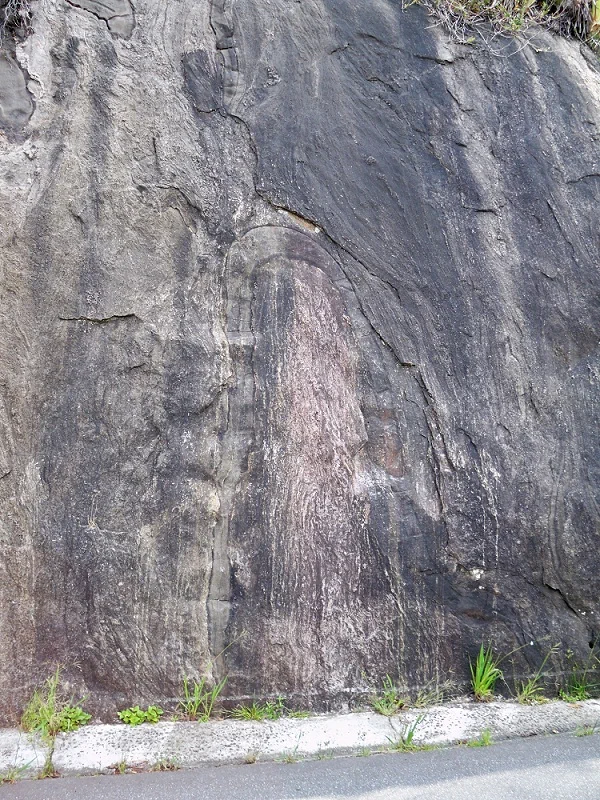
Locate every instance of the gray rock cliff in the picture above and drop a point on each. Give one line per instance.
(299, 313)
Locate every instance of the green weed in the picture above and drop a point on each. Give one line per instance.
(586, 730)
(432, 694)
(582, 681)
(405, 743)
(325, 755)
(136, 715)
(199, 699)
(260, 711)
(574, 694)
(132, 716)
(153, 714)
(50, 712)
(531, 691)
(48, 770)
(390, 700)
(13, 774)
(485, 672)
(483, 740)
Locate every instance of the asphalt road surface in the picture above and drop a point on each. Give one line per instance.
(565, 767)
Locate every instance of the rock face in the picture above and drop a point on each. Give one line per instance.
(299, 348)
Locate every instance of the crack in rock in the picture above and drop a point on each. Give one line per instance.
(118, 14)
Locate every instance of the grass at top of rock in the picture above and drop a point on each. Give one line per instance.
(572, 18)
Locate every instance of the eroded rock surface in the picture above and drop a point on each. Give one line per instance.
(299, 352)
(15, 101)
(118, 14)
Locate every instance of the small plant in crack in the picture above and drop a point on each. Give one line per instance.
(483, 740)
(586, 730)
(433, 693)
(165, 765)
(14, 773)
(390, 701)
(406, 743)
(48, 770)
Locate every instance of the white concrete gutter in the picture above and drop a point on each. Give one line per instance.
(100, 748)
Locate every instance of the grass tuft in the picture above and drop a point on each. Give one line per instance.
(531, 691)
(50, 712)
(582, 682)
(260, 711)
(586, 730)
(405, 743)
(199, 699)
(483, 740)
(432, 694)
(491, 19)
(485, 672)
(48, 770)
(13, 774)
(390, 701)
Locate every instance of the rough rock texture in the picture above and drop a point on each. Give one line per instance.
(299, 348)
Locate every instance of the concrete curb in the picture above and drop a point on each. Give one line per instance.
(100, 748)
(21, 753)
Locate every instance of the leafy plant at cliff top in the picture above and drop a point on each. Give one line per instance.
(50, 711)
(136, 715)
